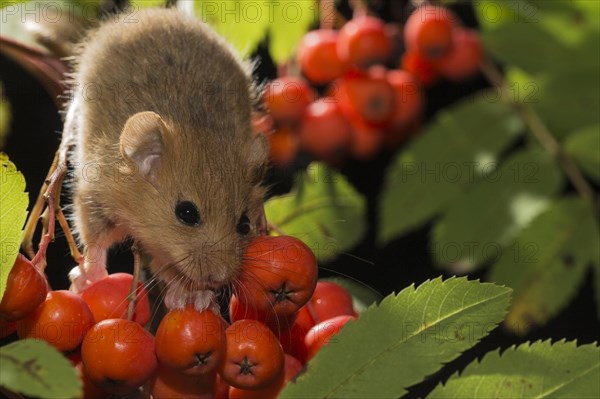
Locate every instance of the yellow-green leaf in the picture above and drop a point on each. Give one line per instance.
(292, 20)
(4, 117)
(147, 3)
(547, 262)
(13, 211)
(323, 210)
(243, 23)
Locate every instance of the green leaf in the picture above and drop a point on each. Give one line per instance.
(569, 21)
(13, 211)
(403, 340)
(486, 219)
(292, 20)
(538, 370)
(323, 210)
(597, 286)
(584, 147)
(558, 30)
(512, 44)
(243, 23)
(522, 87)
(460, 147)
(491, 13)
(363, 296)
(34, 368)
(547, 262)
(569, 100)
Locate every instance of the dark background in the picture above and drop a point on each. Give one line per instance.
(35, 134)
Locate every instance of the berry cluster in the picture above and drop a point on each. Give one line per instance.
(365, 105)
(278, 291)
(439, 47)
(280, 317)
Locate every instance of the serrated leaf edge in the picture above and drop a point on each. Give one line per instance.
(438, 280)
(524, 346)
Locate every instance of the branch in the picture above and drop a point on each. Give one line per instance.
(547, 140)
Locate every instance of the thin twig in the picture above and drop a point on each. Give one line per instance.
(547, 140)
(132, 298)
(36, 211)
(276, 229)
(52, 197)
(359, 8)
(62, 220)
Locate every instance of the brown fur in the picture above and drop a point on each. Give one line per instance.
(178, 68)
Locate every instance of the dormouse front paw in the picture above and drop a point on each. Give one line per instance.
(83, 277)
(178, 298)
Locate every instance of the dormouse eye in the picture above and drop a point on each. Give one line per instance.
(187, 213)
(244, 227)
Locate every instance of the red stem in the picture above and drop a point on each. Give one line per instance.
(327, 14)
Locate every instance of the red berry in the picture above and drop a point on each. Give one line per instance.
(363, 41)
(90, 390)
(366, 140)
(366, 97)
(318, 58)
(62, 320)
(291, 338)
(284, 145)
(26, 289)
(330, 300)
(408, 95)
(464, 60)
(254, 357)
(286, 98)
(306, 318)
(291, 369)
(118, 355)
(421, 67)
(168, 384)
(428, 30)
(279, 275)
(262, 123)
(7, 328)
(191, 342)
(243, 311)
(222, 388)
(325, 131)
(269, 392)
(287, 329)
(322, 333)
(108, 299)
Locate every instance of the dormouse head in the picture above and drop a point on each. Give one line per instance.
(199, 196)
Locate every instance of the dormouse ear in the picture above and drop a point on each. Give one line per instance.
(258, 157)
(142, 142)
